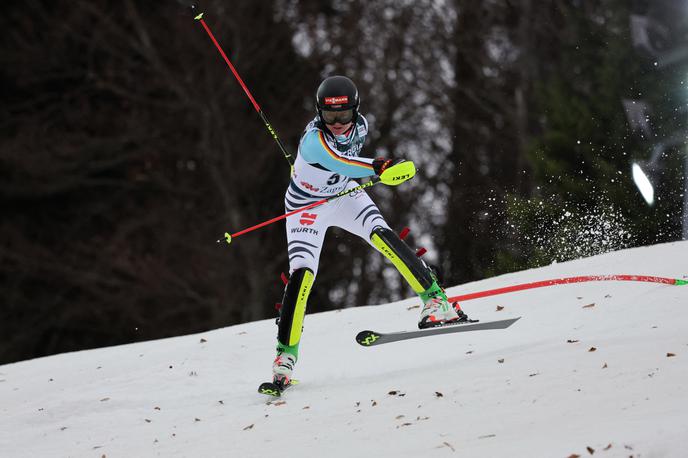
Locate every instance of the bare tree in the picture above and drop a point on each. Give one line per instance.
(127, 151)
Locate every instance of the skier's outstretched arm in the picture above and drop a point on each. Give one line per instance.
(315, 150)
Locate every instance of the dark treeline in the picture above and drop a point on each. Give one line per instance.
(128, 149)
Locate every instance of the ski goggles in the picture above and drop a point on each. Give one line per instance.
(342, 117)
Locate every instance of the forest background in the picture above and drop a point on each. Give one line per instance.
(127, 149)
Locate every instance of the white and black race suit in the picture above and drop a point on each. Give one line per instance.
(325, 166)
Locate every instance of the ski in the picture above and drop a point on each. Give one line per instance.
(372, 338)
(274, 390)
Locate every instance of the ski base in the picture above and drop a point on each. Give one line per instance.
(372, 338)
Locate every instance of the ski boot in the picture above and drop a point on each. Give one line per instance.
(282, 368)
(439, 312)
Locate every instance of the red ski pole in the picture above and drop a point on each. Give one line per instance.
(229, 237)
(393, 176)
(273, 132)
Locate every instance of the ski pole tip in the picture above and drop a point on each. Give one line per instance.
(228, 238)
(199, 17)
(680, 282)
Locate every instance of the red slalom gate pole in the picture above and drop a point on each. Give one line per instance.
(287, 155)
(567, 280)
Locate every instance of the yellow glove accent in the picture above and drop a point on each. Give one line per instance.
(398, 173)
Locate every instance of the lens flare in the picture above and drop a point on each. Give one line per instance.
(644, 184)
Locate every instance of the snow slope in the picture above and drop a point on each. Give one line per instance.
(536, 389)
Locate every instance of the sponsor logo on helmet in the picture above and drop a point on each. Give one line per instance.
(337, 100)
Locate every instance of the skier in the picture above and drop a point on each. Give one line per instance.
(327, 163)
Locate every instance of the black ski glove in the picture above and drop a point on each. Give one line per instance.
(381, 164)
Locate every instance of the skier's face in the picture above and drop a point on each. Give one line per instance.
(340, 121)
(339, 128)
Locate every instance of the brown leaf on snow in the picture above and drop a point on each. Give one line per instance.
(279, 403)
(374, 403)
(104, 399)
(501, 360)
(499, 308)
(399, 417)
(249, 427)
(449, 445)
(438, 394)
(605, 366)
(413, 307)
(590, 450)
(573, 455)
(393, 392)
(592, 349)
(306, 407)
(572, 341)
(669, 355)
(589, 306)
(608, 447)
(203, 340)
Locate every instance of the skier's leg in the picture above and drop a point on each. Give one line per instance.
(359, 215)
(305, 236)
(290, 323)
(436, 310)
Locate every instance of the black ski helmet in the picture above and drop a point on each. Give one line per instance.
(337, 93)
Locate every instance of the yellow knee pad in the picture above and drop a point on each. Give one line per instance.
(414, 271)
(294, 306)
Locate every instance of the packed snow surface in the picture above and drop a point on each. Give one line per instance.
(592, 368)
